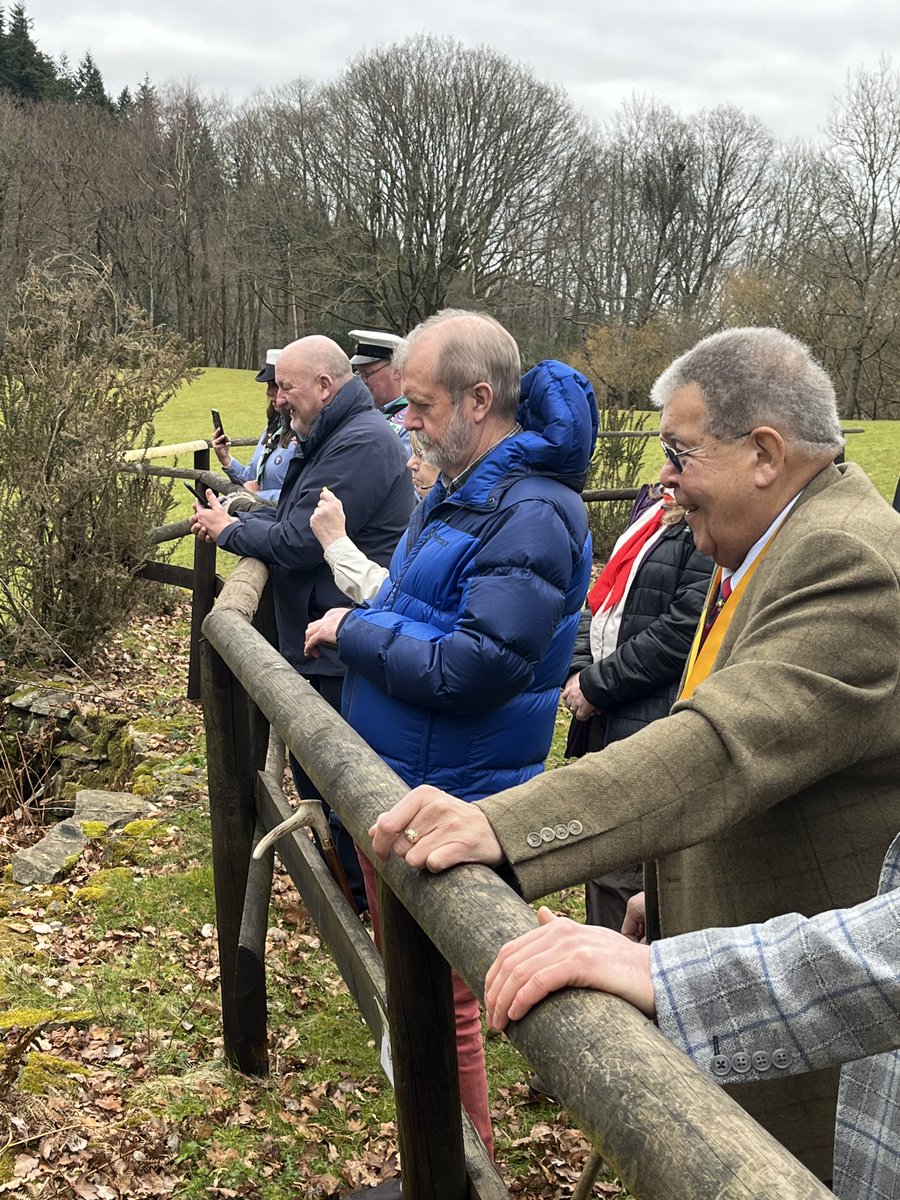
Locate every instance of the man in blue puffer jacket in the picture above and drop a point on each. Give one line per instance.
(454, 668)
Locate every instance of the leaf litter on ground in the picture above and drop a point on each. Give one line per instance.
(120, 1088)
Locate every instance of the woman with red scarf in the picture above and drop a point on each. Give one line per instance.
(633, 641)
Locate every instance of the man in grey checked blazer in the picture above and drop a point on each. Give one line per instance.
(792, 995)
(811, 993)
(774, 787)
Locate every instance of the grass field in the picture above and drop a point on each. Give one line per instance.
(242, 404)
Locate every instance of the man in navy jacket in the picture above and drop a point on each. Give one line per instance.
(344, 444)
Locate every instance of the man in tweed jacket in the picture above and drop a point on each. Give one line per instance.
(776, 786)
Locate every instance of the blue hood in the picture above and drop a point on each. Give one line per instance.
(559, 416)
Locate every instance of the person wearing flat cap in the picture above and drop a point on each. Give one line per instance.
(266, 470)
(373, 362)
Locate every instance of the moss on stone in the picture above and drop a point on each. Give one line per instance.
(143, 785)
(100, 884)
(121, 755)
(141, 828)
(109, 727)
(69, 863)
(107, 876)
(43, 1073)
(27, 1018)
(93, 829)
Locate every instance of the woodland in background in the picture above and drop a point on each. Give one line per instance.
(429, 174)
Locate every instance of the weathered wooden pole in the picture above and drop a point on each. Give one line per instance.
(204, 592)
(423, 1049)
(249, 989)
(235, 753)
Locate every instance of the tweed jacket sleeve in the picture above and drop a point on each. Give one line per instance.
(787, 996)
(799, 703)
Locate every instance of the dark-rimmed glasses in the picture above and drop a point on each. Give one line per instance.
(368, 375)
(675, 456)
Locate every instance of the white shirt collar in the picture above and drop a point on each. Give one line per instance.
(756, 549)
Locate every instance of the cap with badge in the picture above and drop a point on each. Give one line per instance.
(267, 374)
(373, 345)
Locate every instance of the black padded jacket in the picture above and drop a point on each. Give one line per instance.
(638, 683)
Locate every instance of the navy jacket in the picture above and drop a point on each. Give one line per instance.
(455, 666)
(353, 451)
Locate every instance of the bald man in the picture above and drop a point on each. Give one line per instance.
(344, 444)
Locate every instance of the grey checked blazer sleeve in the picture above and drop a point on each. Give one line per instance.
(795, 994)
(824, 989)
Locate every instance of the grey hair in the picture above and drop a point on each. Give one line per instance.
(758, 376)
(479, 350)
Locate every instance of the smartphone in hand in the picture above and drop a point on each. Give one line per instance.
(217, 423)
(200, 494)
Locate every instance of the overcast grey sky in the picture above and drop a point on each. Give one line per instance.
(783, 60)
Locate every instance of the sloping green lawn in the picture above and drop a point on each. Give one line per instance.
(241, 402)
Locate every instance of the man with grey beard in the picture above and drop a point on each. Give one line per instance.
(454, 668)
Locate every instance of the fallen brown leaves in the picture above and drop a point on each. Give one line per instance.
(152, 1111)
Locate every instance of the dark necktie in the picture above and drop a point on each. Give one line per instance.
(716, 608)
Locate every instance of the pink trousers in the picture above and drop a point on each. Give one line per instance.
(469, 1046)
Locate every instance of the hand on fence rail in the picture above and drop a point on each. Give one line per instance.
(561, 953)
(434, 830)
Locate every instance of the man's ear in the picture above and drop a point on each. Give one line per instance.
(326, 384)
(770, 451)
(482, 400)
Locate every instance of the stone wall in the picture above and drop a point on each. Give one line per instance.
(53, 741)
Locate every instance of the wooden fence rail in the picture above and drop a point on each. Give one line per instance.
(661, 1124)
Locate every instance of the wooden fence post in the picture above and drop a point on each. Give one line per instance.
(423, 1050)
(204, 591)
(233, 758)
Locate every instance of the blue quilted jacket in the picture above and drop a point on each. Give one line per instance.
(455, 666)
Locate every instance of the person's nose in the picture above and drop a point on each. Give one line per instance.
(668, 476)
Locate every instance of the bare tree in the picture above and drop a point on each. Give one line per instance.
(444, 163)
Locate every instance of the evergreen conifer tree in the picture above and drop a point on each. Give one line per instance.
(89, 87)
(26, 71)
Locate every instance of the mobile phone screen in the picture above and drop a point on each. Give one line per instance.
(198, 493)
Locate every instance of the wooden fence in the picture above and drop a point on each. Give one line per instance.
(662, 1125)
(201, 580)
